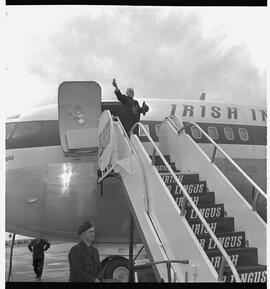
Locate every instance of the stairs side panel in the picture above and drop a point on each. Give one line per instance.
(188, 156)
(173, 229)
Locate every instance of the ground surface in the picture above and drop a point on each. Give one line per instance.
(56, 267)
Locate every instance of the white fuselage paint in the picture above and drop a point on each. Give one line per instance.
(65, 187)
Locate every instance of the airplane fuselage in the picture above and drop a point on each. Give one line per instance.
(49, 194)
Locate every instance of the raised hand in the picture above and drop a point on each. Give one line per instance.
(114, 83)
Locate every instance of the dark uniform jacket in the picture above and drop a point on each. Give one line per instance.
(130, 111)
(84, 263)
(38, 247)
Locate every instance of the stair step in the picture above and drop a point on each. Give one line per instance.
(239, 257)
(159, 161)
(228, 240)
(163, 168)
(184, 178)
(247, 274)
(233, 242)
(192, 188)
(199, 199)
(208, 211)
(218, 225)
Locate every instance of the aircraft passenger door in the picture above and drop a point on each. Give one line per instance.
(79, 109)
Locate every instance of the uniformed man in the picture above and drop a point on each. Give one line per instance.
(38, 246)
(131, 110)
(84, 262)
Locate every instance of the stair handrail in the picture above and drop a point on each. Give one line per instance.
(117, 119)
(216, 146)
(210, 231)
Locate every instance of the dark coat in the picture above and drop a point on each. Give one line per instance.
(84, 263)
(130, 111)
(38, 248)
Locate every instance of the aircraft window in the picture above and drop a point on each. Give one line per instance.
(196, 133)
(157, 127)
(229, 133)
(9, 129)
(141, 132)
(213, 132)
(26, 128)
(243, 133)
(32, 134)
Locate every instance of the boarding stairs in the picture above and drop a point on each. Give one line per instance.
(180, 227)
(244, 257)
(238, 241)
(179, 218)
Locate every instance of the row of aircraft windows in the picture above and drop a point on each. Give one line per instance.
(228, 132)
(29, 128)
(212, 132)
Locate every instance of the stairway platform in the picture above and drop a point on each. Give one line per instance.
(199, 199)
(217, 225)
(184, 178)
(159, 161)
(247, 274)
(191, 187)
(228, 240)
(163, 168)
(208, 211)
(239, 256)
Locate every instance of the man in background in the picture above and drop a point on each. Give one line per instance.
(37, 247)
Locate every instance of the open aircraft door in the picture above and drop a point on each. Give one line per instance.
(79, 108)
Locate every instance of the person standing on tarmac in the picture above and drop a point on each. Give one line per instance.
(84, 263)
(37, 247)
(131, 110)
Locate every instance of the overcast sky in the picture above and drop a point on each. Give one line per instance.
(162, 52)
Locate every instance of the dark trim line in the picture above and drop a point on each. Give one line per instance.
(257, 134)
(48, 134)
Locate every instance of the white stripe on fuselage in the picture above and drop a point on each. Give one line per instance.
(235, 151)
(238, 151)
(198, 111)
(187, 110)
(38, 156)
(26, 157)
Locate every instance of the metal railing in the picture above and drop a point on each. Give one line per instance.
(111, 168)
(168, 262)
(168, 265)
(255, 188)
(10, 258)
(184, 202)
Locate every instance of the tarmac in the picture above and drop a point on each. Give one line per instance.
(55, 270)
(56, 267)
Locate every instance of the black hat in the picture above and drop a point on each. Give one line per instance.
(84, 226)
